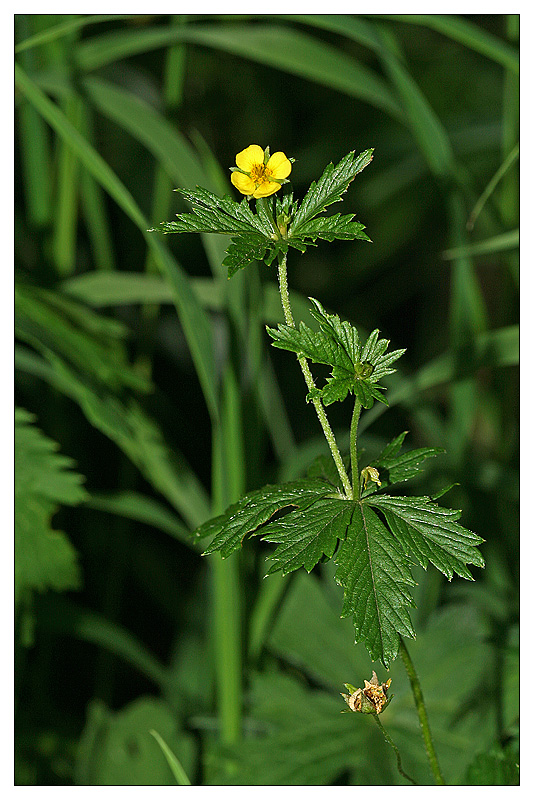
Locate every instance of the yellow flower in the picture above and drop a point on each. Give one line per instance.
(257, 174)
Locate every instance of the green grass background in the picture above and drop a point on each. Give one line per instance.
(153, 375)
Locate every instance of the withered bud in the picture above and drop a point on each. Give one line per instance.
(372, 699)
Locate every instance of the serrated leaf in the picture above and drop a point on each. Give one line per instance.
(243, 250)
(336, 343)
(315, 345)
(394, 467)
(255, 509)
(345, 334)
(44, 479)
(335, 227)
(373, 571)
(304, 536)
(330, 187)
(213, 214)
(431, 533)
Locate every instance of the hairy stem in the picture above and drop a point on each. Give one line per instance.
(421, 710)
(392, 744)
(310, 383)
(354, 449)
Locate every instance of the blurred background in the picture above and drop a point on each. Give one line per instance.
(148, 398)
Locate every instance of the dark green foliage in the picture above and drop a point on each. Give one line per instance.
(155, 375)
(496, 768)
(355, 368)
(44, 479)
(374, 553)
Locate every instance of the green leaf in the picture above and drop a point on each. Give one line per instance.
(355, 368)
(243, 250)
(318, 347)
(452, 654)
(195, 321)
(257, 508)
(374, 573)
(431, 533)
(44, 479)
(308, 742)
(467, 33)
(126, 424)
(281, 47)
(304, 536)
(330, 228)
(138, 507)
(394, 468)
(86, 340)
(213, 214)
(330, 187)
(499, 767)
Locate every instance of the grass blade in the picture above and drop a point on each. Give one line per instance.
(228, 480)
(61, 616)
(196, 324)
(132, 431)
(465, 32)
(64, 28)
(427, 129)
(491, 349)
(140, 508)
(175, 766)
(508, 162)
(35, 154)
(279, 47)
(66, 211)
(496, 244)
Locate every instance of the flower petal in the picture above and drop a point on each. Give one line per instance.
(279, 164)
(242, 182)
(249, 157)
(265, 189)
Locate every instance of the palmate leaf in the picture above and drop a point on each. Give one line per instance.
(308, 534)
(374, 542)
(330, 187)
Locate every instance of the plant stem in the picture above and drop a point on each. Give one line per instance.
(310, 383)
(392, 744)
(354, 449)
(421, 710)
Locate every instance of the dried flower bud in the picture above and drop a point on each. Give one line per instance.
(372, 699)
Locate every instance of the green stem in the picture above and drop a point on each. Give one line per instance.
(392, 744)
(354, 448)
(310, 383)
(421, 710)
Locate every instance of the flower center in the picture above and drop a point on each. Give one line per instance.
(259, 173)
